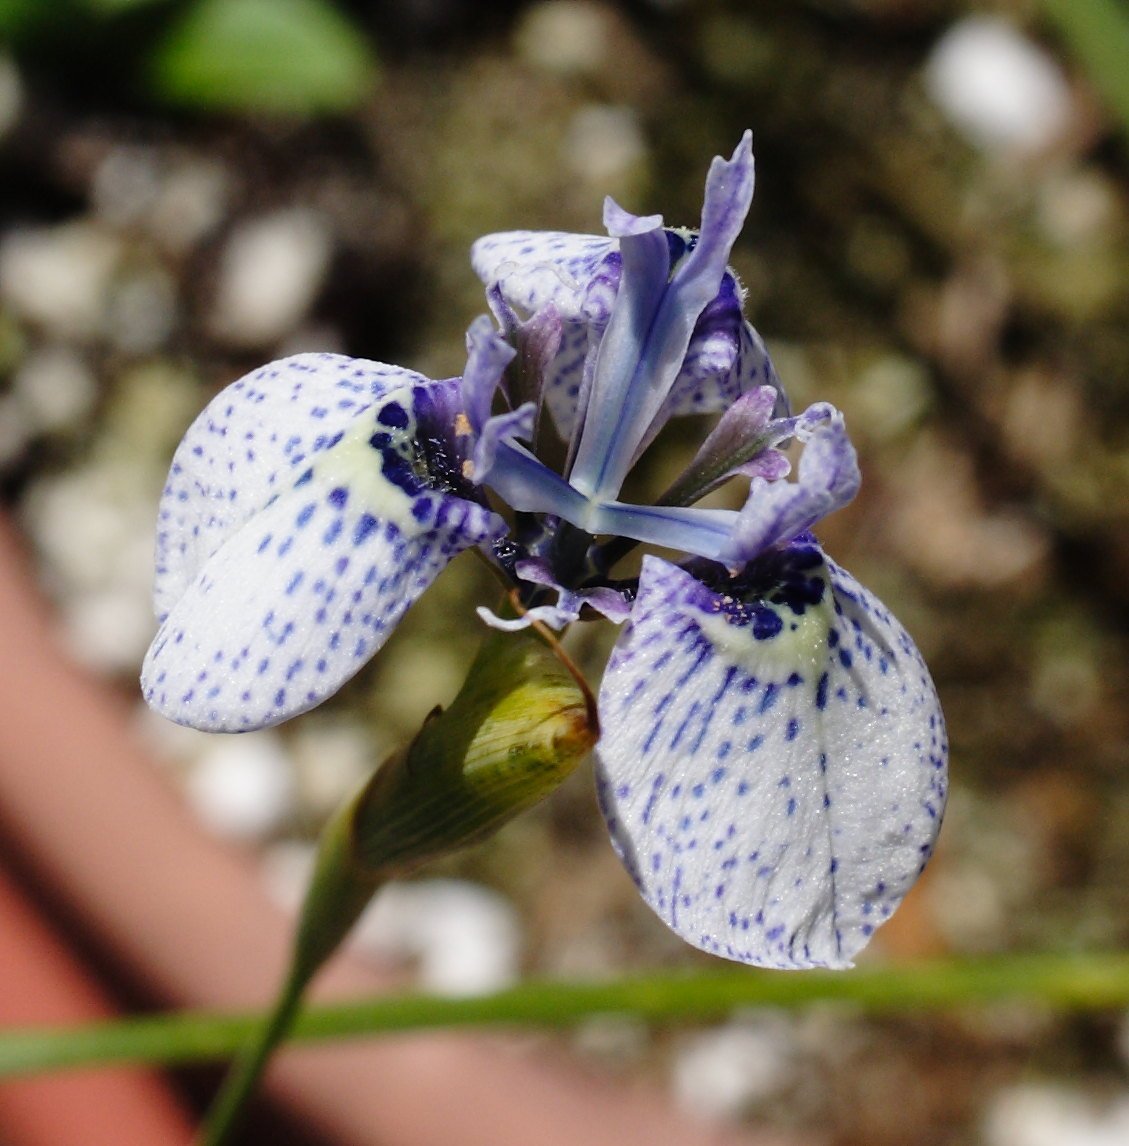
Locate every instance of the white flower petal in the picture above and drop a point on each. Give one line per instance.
(772, 764)
(300, 595)
(250, 443)
(534, 268)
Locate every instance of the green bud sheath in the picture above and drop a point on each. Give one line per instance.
(518, 728)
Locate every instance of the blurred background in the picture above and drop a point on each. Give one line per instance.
(939, 244)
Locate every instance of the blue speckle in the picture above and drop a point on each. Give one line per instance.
(766, 624)
(366, 524)
(394, 415)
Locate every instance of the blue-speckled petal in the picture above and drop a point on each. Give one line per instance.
(772, 765)
(249, 444)
(535, 268)
(564, 379)
(777, 511)
(298, 595)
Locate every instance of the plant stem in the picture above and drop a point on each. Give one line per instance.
(227, 1109)
(1071, 983)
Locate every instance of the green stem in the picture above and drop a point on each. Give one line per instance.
(227, 1109)
(1064, 982)
(339, 891)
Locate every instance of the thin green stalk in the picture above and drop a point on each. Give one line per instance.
(339, 890)
(226, 1111)
(1070, 983)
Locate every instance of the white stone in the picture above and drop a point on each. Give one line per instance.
(603, 142)
(270, 273)
(54, 387)
(174, 745)
(1035, 1115)
(192, 203)
(141, 310)
(95, 526)
(998, 87)
(174, 196)
(125, 185)
(568, 37)
(59, 276)
(332, 757)
(108, 629)
(723, 1072)
(242, 786)
(465, 938)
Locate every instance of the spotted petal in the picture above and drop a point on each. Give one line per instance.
(772, 764)
(565, 376)
(535, 268)
(299, 594)
(249, 444)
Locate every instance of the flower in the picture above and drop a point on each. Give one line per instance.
(772, 758)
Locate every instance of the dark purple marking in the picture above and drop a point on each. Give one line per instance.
(366, 525)
(821, 693)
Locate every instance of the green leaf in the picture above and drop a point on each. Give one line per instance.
(19, 17)
(113, 7)
(1097, 32)
(292, 57)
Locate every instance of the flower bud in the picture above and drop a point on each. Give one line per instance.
(520, 725)
(518, 728)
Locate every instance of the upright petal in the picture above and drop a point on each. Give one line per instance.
(772, 764)
(298, 595)
(565, 376)
(777, 511)
(488, 355)
(248, 445)
(741, 442)
(652, 323)
(535, 268)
